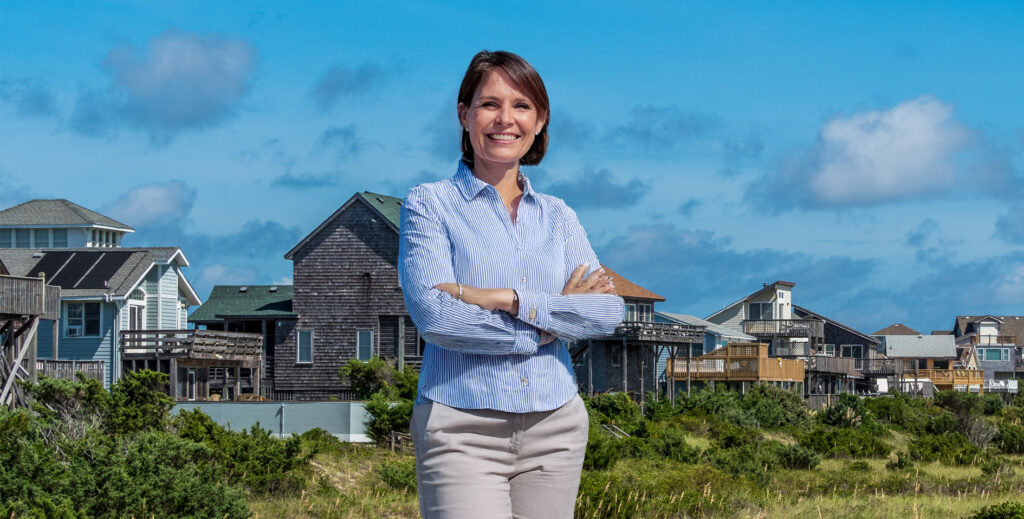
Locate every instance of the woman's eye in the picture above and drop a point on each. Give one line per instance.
(523, 106)
(489, 104)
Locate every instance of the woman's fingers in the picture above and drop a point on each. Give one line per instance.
(574, 279)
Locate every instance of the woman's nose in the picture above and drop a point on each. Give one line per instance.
(504, 115)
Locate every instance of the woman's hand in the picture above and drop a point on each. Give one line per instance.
(598, 282)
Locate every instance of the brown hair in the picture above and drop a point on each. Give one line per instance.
(525, 79)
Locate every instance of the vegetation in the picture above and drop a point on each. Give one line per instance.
(84, 452)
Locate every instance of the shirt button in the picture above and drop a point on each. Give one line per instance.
(524, 279)
(525, 381)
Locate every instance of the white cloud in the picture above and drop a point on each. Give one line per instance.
(888, 154)
(1009, 289)
(219, 274)
(153, 205)
(179, 81)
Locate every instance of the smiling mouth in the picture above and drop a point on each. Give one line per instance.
(503, 137)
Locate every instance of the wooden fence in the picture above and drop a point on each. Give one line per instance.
(66, 369)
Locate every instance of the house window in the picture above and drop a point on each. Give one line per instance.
(305, 353)
(22, 238)
(364, 344)
(82, 320)
(999, 354)
(852, 351)
(5, 238)
(645, 312)
(616, 355)
(829, 350)
(60, 237)
(760, 311)
(630, 313)
(41, 238)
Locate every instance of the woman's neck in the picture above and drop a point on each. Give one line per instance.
(504, 178)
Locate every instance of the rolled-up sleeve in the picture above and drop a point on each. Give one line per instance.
(425, 260)
(574, 316)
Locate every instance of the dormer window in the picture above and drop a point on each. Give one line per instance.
(100, 238)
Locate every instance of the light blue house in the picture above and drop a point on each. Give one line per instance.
(105, 289)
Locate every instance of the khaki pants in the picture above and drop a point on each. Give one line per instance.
(481, 463)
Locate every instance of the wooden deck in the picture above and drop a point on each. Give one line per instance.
(737, 362)
(660, 333)
(191, 344)
(29, 296)
(66, 369)
(954, 379)
(810, 328)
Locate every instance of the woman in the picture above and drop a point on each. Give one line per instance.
(495, 277)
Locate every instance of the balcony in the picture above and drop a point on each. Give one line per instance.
(947, 379)
(66, 369)
(660, 333)
(29, 296)
(838, 365)
(809, 328)
(986, 340)
(738, 362)
(884, 367)
(1001, 386)
(191, 344)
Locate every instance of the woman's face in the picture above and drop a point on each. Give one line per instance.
(502, 122)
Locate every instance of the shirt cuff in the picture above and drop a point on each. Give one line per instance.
(533, 308)
(527, 339)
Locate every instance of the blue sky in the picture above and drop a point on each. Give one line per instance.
(869, 152)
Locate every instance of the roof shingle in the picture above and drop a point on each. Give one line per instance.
(56, 212)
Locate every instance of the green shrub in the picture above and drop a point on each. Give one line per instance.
(1004, 510)
(948, 448)
(796, 457)
(658, 409)
(992, 403)
(720, 404)
(941, 424)
(845, 443)
(900, 462)
(399, 475)
(366, 377)
(386, 415)
(618, 409)
(1010, 438)
(603, 450)
(671, 443)
(849, 411)
(252, 458)
(773, 407)
(138, 402)
(726, 435)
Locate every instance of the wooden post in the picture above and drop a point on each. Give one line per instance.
(689, 359)
(625, 368)
(672, 378)
(643, 357)
(173, 378)
(238, 379)
(590, 366)
(401, 342)
(33, 354)
(256, 379)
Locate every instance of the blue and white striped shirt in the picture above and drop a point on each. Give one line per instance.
(458, 230)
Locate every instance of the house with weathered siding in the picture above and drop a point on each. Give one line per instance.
(998, 342)
(347, 298)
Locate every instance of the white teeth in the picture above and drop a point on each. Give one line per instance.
(502, 137)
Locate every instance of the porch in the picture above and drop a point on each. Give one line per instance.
(738, 362)
(971, 380)
(771, 328)
(201, 364)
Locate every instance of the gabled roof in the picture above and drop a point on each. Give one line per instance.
(3, 269)
(767, 288)
(387, 207)
(628, 289)
(254, 302)
(96, 272)
(897, 329)
(805, 313)
(42, 212)
(1012, 325)
(708, 326)
(920, 346)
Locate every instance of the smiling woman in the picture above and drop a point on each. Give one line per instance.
(496, 276)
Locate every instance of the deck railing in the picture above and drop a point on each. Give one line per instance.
(785, 328)
(751, 369)
(1001, 386)
(194, 344)
(884, 366)
(947, 378)
(29, 296)
(660, 332)
(823, 364)
(66, 369)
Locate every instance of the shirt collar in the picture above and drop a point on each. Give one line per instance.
(470, 186)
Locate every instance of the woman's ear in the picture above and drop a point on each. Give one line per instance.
(463, 113)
